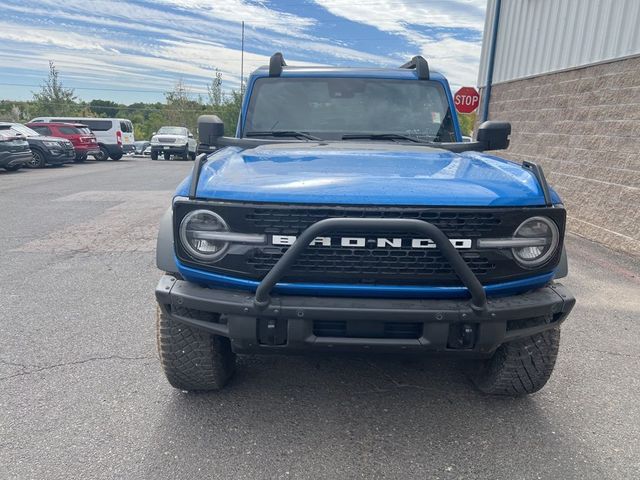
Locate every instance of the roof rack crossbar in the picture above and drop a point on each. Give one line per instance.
(420, 65)
(276, 62)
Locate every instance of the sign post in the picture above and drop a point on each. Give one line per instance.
(467, 100)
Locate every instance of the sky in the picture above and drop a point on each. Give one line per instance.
(135, 50)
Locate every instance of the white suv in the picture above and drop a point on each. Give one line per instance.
(176, 141)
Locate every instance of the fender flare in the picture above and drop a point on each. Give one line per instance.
(165, 257)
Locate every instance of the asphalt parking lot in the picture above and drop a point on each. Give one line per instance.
(82, 394)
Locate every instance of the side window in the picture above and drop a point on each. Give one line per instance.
(42, 130)
(126, 126)
(98, 125)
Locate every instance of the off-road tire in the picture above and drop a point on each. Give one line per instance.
(154, 155)
(116, 157)
(167, 156)
(193, 359)
(519, 367)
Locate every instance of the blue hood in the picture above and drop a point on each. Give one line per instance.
(359, 173)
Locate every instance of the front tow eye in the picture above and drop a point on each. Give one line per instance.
(462, 335)
(272, 331)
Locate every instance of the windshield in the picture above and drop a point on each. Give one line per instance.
(26, 131)
(173, 131)
(330, 108)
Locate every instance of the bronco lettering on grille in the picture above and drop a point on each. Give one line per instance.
(381, 242)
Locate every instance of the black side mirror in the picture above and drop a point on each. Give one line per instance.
(494, 135)
(210, 129)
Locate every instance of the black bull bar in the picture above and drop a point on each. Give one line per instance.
(478, 301)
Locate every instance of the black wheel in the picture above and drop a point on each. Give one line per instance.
(80, 159)
(37, 159)
(519, 367)
(154, 155)
(192, 155)
(193, 359)
(167, 156)
(116, 157)
(12, 168)
(103, 155)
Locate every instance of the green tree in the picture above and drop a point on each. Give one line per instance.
(53, 98)
(214, 90)
(180, 110)
(229, 111)
(467, 122)
(104, 108)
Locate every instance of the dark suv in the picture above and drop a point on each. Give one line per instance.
(14, 149)
(83, 140)
(45, 150)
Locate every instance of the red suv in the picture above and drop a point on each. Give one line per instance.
(83, 139)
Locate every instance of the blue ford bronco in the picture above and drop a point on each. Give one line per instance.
(347, 215)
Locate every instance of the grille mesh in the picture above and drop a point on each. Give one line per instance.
(362, 261)
(461, 224)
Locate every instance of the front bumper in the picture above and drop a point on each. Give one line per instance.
(298, 323)
(172, 149)
(59, 157)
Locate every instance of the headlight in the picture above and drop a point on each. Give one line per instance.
(154, 140)
(543, 237)
(52, 144)
(198, 235)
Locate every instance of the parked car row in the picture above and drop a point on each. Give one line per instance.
(114, 135)
(56, 141)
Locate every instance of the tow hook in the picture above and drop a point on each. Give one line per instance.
(462, 336)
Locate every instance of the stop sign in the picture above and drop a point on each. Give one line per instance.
(466, 99)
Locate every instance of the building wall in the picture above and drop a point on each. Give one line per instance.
(583, 127)
(541, 36)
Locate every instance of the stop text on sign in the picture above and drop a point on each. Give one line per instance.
(467, 100)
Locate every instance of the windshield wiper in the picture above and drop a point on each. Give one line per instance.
(282, 133)
(382, 136)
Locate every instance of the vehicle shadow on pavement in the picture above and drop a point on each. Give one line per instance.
(365, 416)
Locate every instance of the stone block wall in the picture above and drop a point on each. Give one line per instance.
(583, 127)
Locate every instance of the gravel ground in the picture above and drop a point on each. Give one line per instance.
(82, 395)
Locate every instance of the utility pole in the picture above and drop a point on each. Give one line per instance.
(242, 63)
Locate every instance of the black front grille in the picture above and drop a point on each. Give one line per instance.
(369, 264)
(402, 262)
(290, 221)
